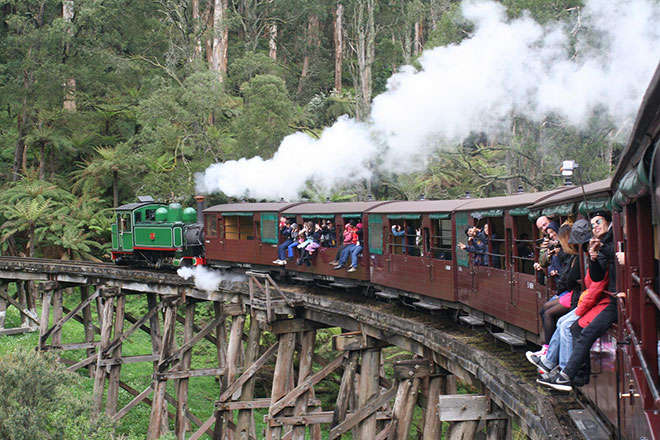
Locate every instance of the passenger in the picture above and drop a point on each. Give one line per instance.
(568, 277)
(349, 244)
(561, 344)
(398, 232)
(285, 233)
(496, 246)
(476, 245)
(328, 235)
(418, 241)
(314, 242)
(348, 239)
(542, 223)
(597, 310)
(549, 250)
(353, 251)
(295, 232)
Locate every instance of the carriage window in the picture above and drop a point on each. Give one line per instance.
(497, 243)
(406, 237)
(268, 228)
(523, 246)
(376, 234)
(441, 240)
(138, 216)
(211, 226)
(238, 227)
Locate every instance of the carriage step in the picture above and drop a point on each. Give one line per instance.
(343, 285)
(427, 305)
(472, 320)
(386, 295)
(589, 424)
(303, 279)
(511, 339)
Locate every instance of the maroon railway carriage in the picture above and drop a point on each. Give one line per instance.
(635, 410)
(504, 292)
(242, 233)
(340, 214)
(422, 260)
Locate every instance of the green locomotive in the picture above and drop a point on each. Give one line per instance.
(157, 235)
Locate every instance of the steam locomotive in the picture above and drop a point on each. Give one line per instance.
(427, 269)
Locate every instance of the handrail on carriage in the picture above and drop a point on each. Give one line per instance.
(648, 290)
(644, 365)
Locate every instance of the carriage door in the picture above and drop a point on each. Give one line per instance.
(125, 228)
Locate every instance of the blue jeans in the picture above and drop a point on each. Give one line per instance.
(561, 343)
(281, 249)
(354, 255)
(291, 246)
(345, 253)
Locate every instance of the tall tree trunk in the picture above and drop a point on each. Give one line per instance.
(365, 29)
(313, 44)
(220, 38)
(272, 42)
(197, 50)
(115, 188)
(418, 43)
(339, 44)
(70, 86)
(42, 160)
(18, 170)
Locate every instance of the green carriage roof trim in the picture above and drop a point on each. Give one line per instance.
(404, 216)
(534, 214)
(240, 214)
(488, 213)
(563, 209)
(330, 216)
(351, 215)
(519, 212)
(595, 205)
(633, 185)
(440, 215)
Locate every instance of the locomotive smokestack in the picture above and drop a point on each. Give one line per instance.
(200, 209)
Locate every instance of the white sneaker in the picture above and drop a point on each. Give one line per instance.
(542, 352)
(277, 261)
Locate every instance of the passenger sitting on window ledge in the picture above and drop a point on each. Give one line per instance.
(476, 245)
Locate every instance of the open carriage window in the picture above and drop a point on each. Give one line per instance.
(405, 234)
(211, 226)
(441, 247)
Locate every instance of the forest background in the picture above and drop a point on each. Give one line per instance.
(101, 101)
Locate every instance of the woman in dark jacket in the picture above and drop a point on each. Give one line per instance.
(601, 263)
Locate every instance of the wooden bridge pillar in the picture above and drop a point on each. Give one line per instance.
(158, 421)
(466, 411)
(281, 381)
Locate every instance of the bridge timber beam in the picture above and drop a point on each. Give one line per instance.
(369, 403)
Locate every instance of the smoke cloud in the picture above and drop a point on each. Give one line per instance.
(506, 68)
(209, 280)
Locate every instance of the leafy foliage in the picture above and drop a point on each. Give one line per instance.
(41, 399)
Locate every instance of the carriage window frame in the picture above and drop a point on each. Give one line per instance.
(442, 235)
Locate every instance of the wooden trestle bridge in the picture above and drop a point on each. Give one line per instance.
(369, 404)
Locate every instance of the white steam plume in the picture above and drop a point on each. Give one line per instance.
(506, 68)
(208, 280)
